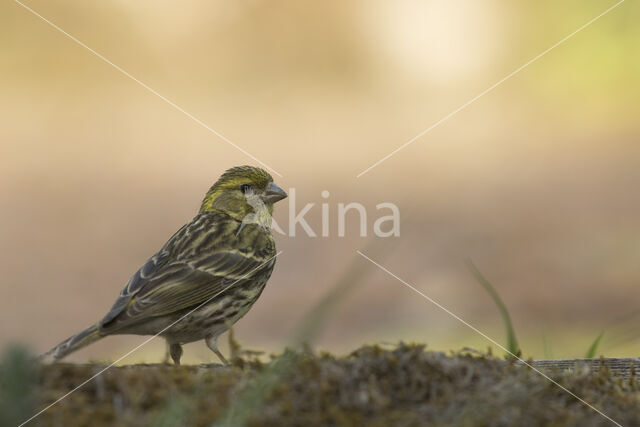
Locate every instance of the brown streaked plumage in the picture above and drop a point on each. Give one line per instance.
(206, 277)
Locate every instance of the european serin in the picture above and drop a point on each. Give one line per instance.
(206, 277)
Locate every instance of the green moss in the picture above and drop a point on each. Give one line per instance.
(403, 385)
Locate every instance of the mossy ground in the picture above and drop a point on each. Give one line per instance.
(404, 385)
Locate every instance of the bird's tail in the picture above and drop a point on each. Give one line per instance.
(76, 342)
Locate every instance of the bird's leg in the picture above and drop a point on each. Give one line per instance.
(212, 343)
(234, 346)
(166, 354)
(175, 350)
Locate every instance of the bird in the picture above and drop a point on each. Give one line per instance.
(205, 277)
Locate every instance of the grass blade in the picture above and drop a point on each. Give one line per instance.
(591, 353)
(512, 342)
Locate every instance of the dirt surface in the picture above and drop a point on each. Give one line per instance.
(403, 385)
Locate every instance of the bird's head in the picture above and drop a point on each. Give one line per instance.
(240, 191)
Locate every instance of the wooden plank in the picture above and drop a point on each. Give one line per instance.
(618, 366)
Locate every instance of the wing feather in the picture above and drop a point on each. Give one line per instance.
(170, 281)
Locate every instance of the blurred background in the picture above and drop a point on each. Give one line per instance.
(537, 181)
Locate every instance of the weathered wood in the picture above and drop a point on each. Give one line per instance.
(618, 366)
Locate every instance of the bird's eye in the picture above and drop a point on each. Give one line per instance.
(245, 188)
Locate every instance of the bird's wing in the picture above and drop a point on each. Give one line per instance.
(181, 285)
(184, 274)
(134, 285)
(147, 271)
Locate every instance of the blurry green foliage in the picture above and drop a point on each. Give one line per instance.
(597, 65)
(17, 378)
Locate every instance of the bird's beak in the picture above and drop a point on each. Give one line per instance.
(273, 194)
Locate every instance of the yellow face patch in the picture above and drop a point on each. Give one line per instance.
(226, 194)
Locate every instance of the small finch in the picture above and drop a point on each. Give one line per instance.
(206, 277)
